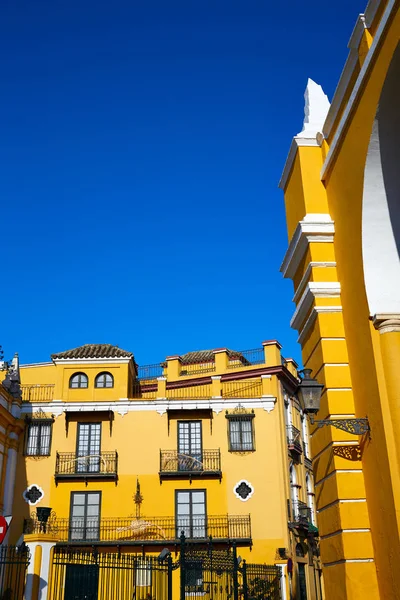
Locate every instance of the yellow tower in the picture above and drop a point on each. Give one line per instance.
(341, 186)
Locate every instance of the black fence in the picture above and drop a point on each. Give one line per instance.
(220, 575)
(14, 561)
(150, 371)
(114, 575)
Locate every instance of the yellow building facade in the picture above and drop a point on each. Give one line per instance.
(211, 443)
(341, 187)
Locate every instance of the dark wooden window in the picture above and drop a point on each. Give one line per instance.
(85, 516)
(38, 437)
(78, 380)
(88, 447)
(104, 380)
(241, 433)
(189, 445)
(191, 513)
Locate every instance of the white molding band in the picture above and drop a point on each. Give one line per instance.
(314, 289)
(357, 89)
(315, 227)
(160, 405)
(348, 560)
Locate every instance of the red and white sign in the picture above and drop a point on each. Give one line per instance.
(4, 524)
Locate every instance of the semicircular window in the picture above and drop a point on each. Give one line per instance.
(104, 380)
(78, 380)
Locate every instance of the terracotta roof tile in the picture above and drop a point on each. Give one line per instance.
(94, 351)
(201, 356)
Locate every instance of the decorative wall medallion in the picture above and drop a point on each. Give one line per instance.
(33, 494)
(243, 490)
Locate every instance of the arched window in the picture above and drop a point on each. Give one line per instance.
(104, 380)
(78, 380)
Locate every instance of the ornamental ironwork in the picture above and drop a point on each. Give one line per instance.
(33, 494)
(353, 426)
(244, 490)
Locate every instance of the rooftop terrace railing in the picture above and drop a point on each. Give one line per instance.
(37, 392)
(247, 358)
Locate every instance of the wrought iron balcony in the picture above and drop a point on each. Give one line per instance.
(150, 530)
(94, 466)
(37, 392)
(176, 464)
(302, 515)
(294, 439)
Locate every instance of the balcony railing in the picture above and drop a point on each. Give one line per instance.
(246, 358)
(37, 392)
(242, 389)
(302, 514)
(95, 466)
(150, 372)
(192, 392)
(144, 390)
(177, 464)
(197, 368)
(294, 439)
(157, 530)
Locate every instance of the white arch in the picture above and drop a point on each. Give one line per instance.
(381, 200)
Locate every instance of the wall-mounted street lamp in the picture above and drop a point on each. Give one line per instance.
(309, 393)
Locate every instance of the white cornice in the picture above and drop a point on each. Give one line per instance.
(313, 289)
(160, 405)
(311, 265)
(358, 87)
(313, 228)
(313, 315)
(40, 364)
(95, 361)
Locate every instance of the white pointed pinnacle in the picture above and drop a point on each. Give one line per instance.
(315, 110)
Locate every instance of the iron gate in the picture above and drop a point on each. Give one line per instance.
(219, 575)
(14, 561)
(93, 575)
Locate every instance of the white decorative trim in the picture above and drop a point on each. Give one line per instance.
(248, 484)
(311, 265)
(28, 489)
(341, 531)
(39, 364)
(160, 405)
(314, 289)
(269, 404)
(316, 107)
(105, 361)
(358, 87)
(313, 315)
(315, 227)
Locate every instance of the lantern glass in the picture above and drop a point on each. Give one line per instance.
(309, 393)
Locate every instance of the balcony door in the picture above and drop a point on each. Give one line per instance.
(88, 448)
(191, 513)
(189, 446)
(85, 516)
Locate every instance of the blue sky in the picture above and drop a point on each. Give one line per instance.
(141, 147)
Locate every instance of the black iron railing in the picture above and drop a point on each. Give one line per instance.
(69, 465)
(294, 438)
(173, 463)
(146, 529)
(14, 561)
(144, 390)
(37, 392)
(301, 513)
(150, 371)
(246, 358)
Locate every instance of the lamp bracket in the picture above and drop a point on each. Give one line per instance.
(353, 426)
